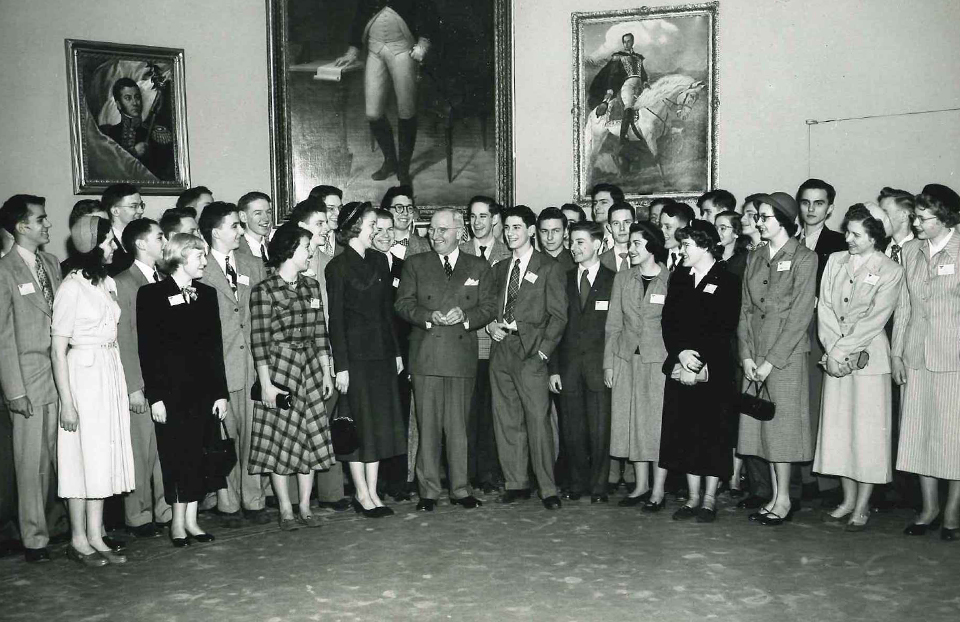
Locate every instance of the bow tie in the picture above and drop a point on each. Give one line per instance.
(402, 242)
(189, 293)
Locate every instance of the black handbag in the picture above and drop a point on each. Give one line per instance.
(754, 405)
(343, 433)
(219, 454)
(284, 400)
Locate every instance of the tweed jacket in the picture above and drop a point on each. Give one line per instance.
(926, 327)
(129, 283)
(581, 348)
(25, 320)
(777, 303)
(854, 307)
(634, 318)
(424, 288)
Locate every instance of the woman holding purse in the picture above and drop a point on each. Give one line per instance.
(858, 293)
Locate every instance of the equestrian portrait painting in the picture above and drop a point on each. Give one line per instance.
(645, 93)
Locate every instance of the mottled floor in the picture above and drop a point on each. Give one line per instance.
(516, 562)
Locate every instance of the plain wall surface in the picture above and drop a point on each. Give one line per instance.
(225, 57)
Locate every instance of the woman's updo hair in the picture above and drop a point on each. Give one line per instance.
(704, 235)
(175, 252)
(350, 220)
(945, 213)
(654, 238)
(858, 212)
(285, 242)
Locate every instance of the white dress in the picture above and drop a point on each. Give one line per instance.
(95, 461)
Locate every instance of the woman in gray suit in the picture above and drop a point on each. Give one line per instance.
(777, 303)
(926, 358)
(633, 355)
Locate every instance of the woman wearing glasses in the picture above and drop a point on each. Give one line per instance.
(748, 223)
(926, 358)
(775, 312)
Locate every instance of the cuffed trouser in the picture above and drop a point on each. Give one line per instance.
(243, 489)
(443, 405)
(35, 460)
(585, 434)
(145, 503)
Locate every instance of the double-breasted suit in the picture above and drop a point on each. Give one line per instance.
(926, 336)
(243, 489)
(26, 370)
(145, 502)
(518, 370)
(443, 359)
(584, 398)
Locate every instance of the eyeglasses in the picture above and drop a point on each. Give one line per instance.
(759, 217)
(140, 205)
(403, 209)
(924, 218)
(722, 228)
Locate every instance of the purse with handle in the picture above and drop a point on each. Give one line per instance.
(219, 454)
(754, 405)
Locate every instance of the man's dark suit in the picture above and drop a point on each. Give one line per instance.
(394, 470)
(121, 261)
(584, 398)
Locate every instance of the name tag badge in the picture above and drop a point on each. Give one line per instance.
(471, 283)
(602, 305)
(945, 269)
(530, 276)
(175, 300)
(658, 299)
(783, 266)
(243, 279)
(396, 282)
(711, 288)
(26, 289)
(872, 279)
(314, 303)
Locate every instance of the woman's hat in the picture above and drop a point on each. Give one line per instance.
(780, 201)
(83, 233)
(945, 195)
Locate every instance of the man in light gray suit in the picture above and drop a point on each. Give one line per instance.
(144, 507)
(234, 275)
(29, 279)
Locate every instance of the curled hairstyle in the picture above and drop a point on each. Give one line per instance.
(351, 220)
(742, 243)
(90, 264)
(704, 235)
(858, 212)
(948, 215)
(397, 191)
(175, 252)
(285, 242)
(654, 237)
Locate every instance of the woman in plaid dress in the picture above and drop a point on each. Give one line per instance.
(292, 356)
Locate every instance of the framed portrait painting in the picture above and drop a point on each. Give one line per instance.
(365, 95)
(128, 117)
(645, 93)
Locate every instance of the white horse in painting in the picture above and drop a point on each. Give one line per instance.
(661, 108)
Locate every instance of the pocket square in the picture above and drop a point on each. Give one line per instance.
(471, 282)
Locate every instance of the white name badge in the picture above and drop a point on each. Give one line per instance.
(26, 289)
(710, 288)
(396, 282)
(872, 279)
(243, 279)
(471, 283)
(783, 266)
(314, 303)
(602, 305)
(530, 276)
(945, 269)
(658, 299)
(175, 300)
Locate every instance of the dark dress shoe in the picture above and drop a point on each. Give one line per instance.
(654, 506)
(487, 488)
(258, 517)
(629, 502)
(114, 544)
(426, 505)
(112, 557)
(772, 519)
(336, 506)
(359, 509)
(147, 530)
(571, 496)
(706, 515)
(599, 499)
(90, 560)
(272, 502)
(685, 513)
(469, 502)
(736, 493)
(37, 556)
(400, 495)
(552, 502)
(921, 529)
(949, 535)
(179, 543)
(756, 516)
(752, 502)
(202, 538)
(385, 511)
(509, 496)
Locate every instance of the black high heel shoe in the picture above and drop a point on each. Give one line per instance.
(179, 543)
(654, 506)
(920, 529)
(359, 509)
(771, 519)
(949, 535)
(202, 538)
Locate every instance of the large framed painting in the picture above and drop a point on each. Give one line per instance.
(365, 95)
(128, 117)
(645, 93)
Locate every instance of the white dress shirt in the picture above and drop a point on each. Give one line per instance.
(145, 269)
(936, 248)
(524, 262)
(591, 274)
(905, 239)
(254, 245)
(810, 241)
(30, 259)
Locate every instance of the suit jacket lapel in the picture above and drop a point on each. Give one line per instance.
(217, 278)
(25, 276)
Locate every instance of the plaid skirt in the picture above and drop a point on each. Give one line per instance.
(295, 440)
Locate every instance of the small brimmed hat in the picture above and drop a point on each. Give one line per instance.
(780, 201)
(83, 233)
(945, 195)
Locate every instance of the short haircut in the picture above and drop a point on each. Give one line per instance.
(522, 212)
(175, 252)
(615, 192)
(719, 197)
(82, 208)
(906, 201)
(491, 204)
(116, 193)
(171, 219)
(551, 213)
(384, 214)
(397, 191)
(703, 235)
(190, 195)
(16, 210)
(285, 242)
(244, 202)
(119, 85)
(304, 209)
(349, 229)
(457, 215)
(136, 230)
(681, 211)
(212, 217)
(590, 227)
(622, 206)
(817, 184)
(573, 207)
(321, 192)
(949, 217)
(858, 212)
(654, 237)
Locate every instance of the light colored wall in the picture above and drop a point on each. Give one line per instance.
(781, 62)
(226, 75)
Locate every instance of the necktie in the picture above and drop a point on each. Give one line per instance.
(231, 276)
(673, 261)
(447, 267)
(263, 252)
(402, 242)
(624, 264)
(44, 280)
(156, 276)
(895, 252)
(483, 252)
(512, 290)
(584, 289)
(189, 293)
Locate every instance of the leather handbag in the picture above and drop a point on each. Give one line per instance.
(702, 376)
(284, 400)
(754, 405)
(343, 433)
(219, 454)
